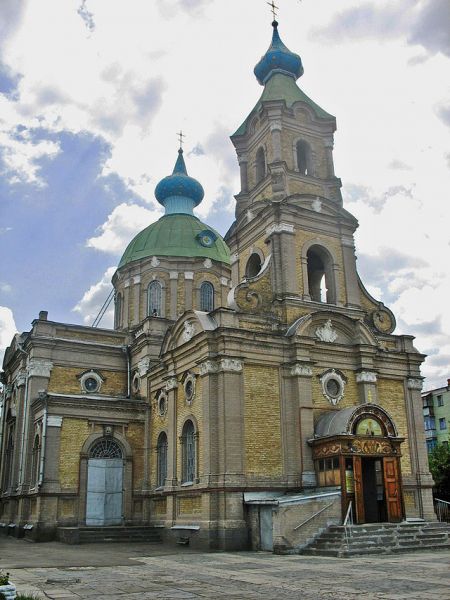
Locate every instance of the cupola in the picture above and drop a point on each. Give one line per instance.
(278, 59)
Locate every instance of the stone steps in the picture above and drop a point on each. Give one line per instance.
(90, 535)
(380, 538)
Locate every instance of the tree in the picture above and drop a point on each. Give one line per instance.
(439, 460)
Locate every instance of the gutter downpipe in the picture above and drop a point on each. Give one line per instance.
(43, 444)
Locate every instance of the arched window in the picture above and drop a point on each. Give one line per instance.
(155, 299)
(320, 275)
(304, 158)
(35, 461)
(207, 296)
(188, 452)
(253, 266)
(9, 453)
(106, 448)
(260, 165)
(118, 311)
(161, 452)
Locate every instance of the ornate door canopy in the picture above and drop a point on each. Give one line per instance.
(365, 430)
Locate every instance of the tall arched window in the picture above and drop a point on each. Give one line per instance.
(188, 452)
(155, 299)
(161, 452)
(118, 311)
(35, 462)
(9, 452)
(320, 275)
(304, 158)
(260, 165)
(207, 296)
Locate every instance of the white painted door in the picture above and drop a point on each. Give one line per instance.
(266, 528)
(104, 491)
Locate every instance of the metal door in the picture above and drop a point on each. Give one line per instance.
(266, 528)
(104, 491)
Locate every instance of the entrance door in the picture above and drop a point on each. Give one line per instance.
(266, 528)
(393, 491)
(104, 491)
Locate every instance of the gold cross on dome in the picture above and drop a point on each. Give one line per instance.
(181, 135)
(274, 9)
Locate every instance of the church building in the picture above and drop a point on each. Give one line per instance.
(250, 382)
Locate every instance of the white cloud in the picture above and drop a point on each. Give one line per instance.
(92, 301)
(125, 221)
(6, 288)
(7, 329)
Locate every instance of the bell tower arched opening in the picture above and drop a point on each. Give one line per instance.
(321, 284)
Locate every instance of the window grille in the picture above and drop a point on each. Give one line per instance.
(161, 450)
(188, 442)
(207, 296)
(105, 448)
(154, 299)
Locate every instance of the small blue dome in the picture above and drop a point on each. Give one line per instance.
(178, 192)
(278, 59)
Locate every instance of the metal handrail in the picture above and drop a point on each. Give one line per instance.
(442, 509)
(314, 515)
(348, 522)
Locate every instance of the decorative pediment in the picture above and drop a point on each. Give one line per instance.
(187, 328)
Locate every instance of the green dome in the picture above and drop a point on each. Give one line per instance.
(177, 235)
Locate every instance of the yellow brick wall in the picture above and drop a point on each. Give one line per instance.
(160, 507)
(66, 507)
(301, 238)
(64, 380)
(391, 396)
(184, 411)
(189, 505)
(73, 435)
(263, 288)
(262, 421)
(300, 187)
(135, 437)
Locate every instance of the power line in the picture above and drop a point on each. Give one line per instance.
(103, 309)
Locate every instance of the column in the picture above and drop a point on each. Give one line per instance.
(137, 299)
(189, 303)
(303, 374)
(367, 387)
(243, 166)
(173, 294)
(350, 274)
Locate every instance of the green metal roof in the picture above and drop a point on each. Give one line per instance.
(175, 235)
(282, 87)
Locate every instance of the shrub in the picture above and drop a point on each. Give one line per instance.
(4, 578)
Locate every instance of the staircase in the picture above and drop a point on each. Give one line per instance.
(89, 535)
(380, 538)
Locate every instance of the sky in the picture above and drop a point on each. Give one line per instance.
(93, 92)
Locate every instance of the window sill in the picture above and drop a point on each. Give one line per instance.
(187, 484)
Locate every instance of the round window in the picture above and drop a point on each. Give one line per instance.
(333, 387)
(90, 384)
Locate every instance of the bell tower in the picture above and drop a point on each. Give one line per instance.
(292, 238)
(285, 145)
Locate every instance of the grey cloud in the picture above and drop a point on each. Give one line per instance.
(424, 23)
(149, 98)
(433, 327)
(439, 360)
(197, 150)
(169, 8)
(359, 193)
(447, 158)
(399, 165)
(88, 17)
(10, 14)
(48, 95)
(443, 112)
(220, 147)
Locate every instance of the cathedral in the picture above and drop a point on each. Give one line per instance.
(250, 384)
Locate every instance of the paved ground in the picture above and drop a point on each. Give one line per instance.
(150, 571)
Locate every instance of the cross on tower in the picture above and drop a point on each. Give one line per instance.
(274, 9)
(181, 135)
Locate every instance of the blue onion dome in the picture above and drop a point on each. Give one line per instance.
(278, 59)
(179, 193)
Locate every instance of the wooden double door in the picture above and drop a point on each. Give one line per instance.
(377, 490)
